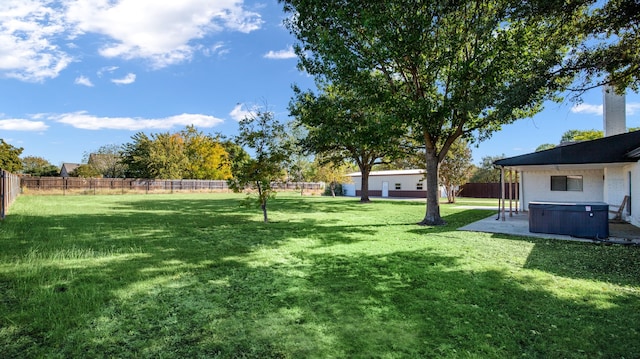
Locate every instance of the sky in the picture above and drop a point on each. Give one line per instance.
(76, 75)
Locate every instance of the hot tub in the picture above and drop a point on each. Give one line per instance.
(578, 219)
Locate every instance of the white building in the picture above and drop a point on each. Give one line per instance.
(397, 183)
(603, 170)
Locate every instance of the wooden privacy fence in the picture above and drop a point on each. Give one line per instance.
(9, 191)
(485, 190)
(124, 185)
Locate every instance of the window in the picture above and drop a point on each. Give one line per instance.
(419, 185)
(566, 183)
(398, 186)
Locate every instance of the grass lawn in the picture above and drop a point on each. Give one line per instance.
(196, 275)
(481, 202)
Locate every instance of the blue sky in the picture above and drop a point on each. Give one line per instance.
(79, 74)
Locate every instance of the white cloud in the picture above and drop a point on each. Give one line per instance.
(22, 125)
(84, 81)
(589, 109)
(632, 108)
(35, 35)
(240, 112)
(27, 40)
(217, 49)
(160, 31)
(106, 69)
(127, 80)
(281, 54)
(85, 121)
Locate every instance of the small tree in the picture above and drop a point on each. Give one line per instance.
(455, 168)
(264, 135)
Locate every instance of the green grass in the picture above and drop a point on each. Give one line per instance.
(480, 202)
(197, 275)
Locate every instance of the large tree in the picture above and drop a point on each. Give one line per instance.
(107, 161)
(10, 157)
(487, 172)
(265, 136)
(135, 156)
(343, 125)
(38, 166)
(185, 154)
(160, 156)
(581, 135)
(452, 68)
(611, 53)
(207, 158)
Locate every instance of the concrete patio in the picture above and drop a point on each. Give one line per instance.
(518, 224)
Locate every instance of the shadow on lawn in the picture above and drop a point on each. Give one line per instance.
(193, 279)
(614, 264)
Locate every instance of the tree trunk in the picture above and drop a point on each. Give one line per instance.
(364, 187)
(263, 201)
(451, 194)
(264, 210)
(333, 188)
(432, 217)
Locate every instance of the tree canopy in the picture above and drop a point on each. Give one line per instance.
(611, 54)
(10, 157)
(487, 173)
(343, 125)
(107, 161)
(185, 154)
(38, 166)
(451, 68)
(455, 169)
(581, 135)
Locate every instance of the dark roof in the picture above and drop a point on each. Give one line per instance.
(70, 166)
(612, 149)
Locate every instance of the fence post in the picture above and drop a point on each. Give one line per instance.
(3, 196)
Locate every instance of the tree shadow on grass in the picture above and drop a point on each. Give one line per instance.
(159, 280)
(401, 304)
(418, 304)
(66, 271)
(613, 264)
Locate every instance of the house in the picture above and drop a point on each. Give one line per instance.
(67, 168)
(603, 170)
(397, 183)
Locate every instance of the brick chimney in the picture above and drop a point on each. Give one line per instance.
(615, 122)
